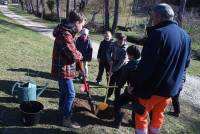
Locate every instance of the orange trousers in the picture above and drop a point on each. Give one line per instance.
(157, 105)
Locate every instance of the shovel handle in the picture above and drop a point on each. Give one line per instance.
(106, 96)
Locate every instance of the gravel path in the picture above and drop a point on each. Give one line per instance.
(191, 90)
(38, 27)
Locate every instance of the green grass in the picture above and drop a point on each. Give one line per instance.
(194, 68)
(23, 51)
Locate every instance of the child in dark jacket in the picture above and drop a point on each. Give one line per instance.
(117, 58)
(133, 56)
(101, 56)
(83, 44)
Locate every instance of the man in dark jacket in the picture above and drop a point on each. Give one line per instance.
(101, 56)
(65, 55)
(161, 68)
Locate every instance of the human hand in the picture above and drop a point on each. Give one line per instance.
(130, 89)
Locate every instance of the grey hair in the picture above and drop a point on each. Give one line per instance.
(165, 11)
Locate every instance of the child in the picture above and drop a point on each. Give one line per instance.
(101, 56)
(133, 56)
(83, 44)
(116, 56)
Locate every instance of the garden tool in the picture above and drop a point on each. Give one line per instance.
(103, 105)
(85, 88)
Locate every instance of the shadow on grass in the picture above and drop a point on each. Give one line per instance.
(10, 116)
(32, 73)
(6, 86)
(8, 100)
(34, 130)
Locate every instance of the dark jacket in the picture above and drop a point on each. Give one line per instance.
(117, 54)
(103, 48)
(165, 56)
(125, 73)
(85, 47)
(65, 53)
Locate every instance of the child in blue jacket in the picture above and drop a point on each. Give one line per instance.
(83, 45)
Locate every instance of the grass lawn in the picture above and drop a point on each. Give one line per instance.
(24, 54)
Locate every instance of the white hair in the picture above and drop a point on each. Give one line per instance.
(165, 11)
(85, 31)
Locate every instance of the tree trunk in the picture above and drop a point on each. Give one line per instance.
(37, 7)
(43, 8)
(74, 4)
(22, 4)
(106, 15)
(67, 8)
(58, 8)
(116, 16)
(26, 5)
(94, 16)
(181, 12)
(32, 7)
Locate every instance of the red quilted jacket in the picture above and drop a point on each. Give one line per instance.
(65, 54)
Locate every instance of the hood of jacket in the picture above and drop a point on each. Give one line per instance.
(62, 28)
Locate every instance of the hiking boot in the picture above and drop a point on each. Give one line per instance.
(70, 124)
(118, 119)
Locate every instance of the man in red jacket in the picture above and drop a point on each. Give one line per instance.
(65, 57)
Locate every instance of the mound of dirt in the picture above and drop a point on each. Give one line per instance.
(84, 116)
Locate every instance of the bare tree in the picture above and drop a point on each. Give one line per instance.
(26, 5)
(116, 16)
(82, 5)
(106, 15)
(37, 7)
(22, 4)
(31, 6)
(58, 8)
(181, 12)
(94, 15)
(74, 4)
(42, 3)
(67, 8)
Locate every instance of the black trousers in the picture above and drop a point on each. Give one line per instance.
(103, 65)
(122, 100)
(175, 103)
(114, 82)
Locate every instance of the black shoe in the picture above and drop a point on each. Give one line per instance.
(173, 114)
(118, 120)
(97, 83)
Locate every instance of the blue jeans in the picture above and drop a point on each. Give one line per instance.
(67, 95)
